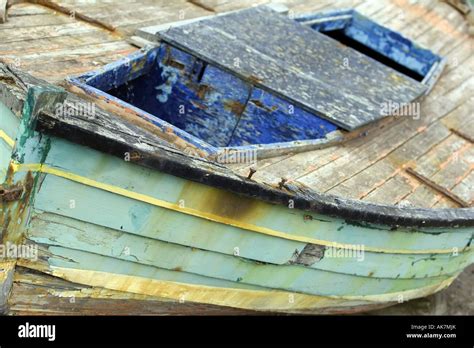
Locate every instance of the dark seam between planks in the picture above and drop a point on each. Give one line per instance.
(438, 188)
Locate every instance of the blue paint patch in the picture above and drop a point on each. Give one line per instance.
(120, 72)
(268, 119)
(137, 87)
(391, 44)
(382, 40)
(328, 20)
(202, 104)
(170, 77)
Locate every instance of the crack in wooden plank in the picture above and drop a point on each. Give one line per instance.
(462, 135)
(71, 12)
(438, 188)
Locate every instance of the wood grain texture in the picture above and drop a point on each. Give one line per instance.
(304, 69)
(125, 17)
(424, 20)
(364, 165)
(3, 11)
(428, 144)
(32, 294)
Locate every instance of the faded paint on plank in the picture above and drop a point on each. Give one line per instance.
(296, 64)
(268, 119)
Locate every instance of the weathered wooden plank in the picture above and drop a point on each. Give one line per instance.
(245, 273)
(423, 196)
(88, 52)
(311, 88)
(36, 21)
(429, 114)
(408, 15)
(420, 19)
(73, 13)
(227, 5)
(139, 282)
(119, 18)
(372, 178)
(68, 67)
(445, 203)
(450, 176)
(301, 164)
(447, 174)
(465, 189)
(26, 10)
(460, 124)
(3, 11)
(444, 21)
(457, 169)
(440, 188)
(249, 247)
(35, 293)
(11, 35)
(54, 43)
(128, 25)
(440, 156)
(297, 7)
(7, 270)
(393, 191)
(345, 167)
(371, 8)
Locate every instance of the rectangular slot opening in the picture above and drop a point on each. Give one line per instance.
(340, 36)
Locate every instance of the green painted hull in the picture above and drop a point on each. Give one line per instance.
(102, 221)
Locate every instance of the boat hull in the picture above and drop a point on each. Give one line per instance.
(125, 231)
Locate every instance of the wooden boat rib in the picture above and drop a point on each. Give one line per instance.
(166, 232)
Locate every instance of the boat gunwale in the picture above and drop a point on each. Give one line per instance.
(168, 160)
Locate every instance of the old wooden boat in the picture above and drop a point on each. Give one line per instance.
(254, 172)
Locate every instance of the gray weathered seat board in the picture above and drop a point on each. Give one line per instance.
(299, 64)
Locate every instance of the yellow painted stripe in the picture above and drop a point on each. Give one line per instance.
(6, 138)
(263, 300)
(37, 167)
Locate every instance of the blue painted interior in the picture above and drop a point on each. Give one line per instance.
(206, 102)
(268, 118)
(383, 44)
(212, 109)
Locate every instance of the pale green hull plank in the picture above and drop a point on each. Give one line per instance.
(5, 153)
(107, 169)
(114, 244)
(77, 259)
(8, 126)
(8, 121)
(98, 240)
(121, 213)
